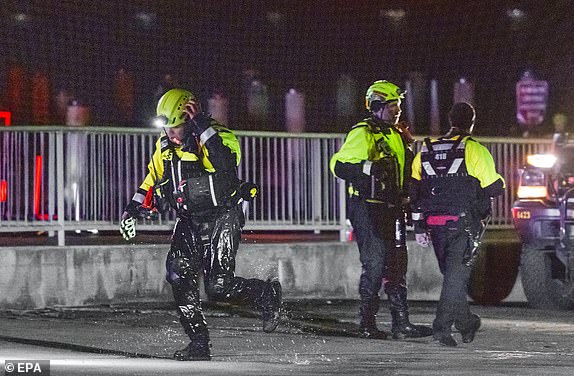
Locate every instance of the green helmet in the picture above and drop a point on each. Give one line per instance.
(171, 105)
(383, 91)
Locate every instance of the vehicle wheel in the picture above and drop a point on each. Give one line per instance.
(494, 272)
(540, 288)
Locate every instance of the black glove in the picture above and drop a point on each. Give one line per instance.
(248, 191)
(129, 219)
(484, 207)
(199, 123)
(134, 211)
(419, 222)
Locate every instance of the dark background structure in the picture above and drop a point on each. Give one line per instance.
(80, 45)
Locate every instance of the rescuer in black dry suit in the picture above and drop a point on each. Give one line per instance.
(454, 178)
(193, 170)
(375, 159)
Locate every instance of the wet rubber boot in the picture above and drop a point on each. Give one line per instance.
(401, 327)
(368, 320)
(198, 347)
(469, 333)
(271, 305)
(446, 340)
(194, 351)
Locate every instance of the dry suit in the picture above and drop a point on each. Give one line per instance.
(198, 179)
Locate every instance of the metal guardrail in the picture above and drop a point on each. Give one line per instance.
(55, 178)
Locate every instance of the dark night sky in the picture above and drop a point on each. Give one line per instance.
(208, 44)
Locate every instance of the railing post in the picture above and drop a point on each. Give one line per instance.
(342, 211)
(316, 179)
(60, 186)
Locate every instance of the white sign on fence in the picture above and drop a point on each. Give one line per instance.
(531, 99)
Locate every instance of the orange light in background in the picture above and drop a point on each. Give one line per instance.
(7, 116)
(536, 191)
(3, 190)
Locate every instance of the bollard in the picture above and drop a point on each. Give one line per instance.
(15, 92)
(62, 100)
(218, 107)
(295, 111)
(40, 98)
(124, 96)
(77, 114)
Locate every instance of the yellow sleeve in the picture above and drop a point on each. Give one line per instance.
(417, 167)
(155, 168)
(355, 149)
(229, 140)
(480, 164)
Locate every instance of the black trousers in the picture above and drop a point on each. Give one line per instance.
(383, 263)
(208, 244)
(450, 242)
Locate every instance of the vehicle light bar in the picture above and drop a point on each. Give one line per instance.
(541, 160)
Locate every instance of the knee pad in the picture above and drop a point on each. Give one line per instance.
(216, 288)
(180, 269)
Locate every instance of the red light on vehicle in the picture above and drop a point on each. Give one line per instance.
(518, 213)
(3, 190)
(7, 116)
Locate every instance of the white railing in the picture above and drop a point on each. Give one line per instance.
(71, 178)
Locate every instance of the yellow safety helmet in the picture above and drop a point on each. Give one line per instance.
(382, 91)
(170, 107)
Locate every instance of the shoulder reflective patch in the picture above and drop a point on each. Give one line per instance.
(442, 146)
(163, 143)
(206, 135)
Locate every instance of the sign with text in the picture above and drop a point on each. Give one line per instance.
(531, 100)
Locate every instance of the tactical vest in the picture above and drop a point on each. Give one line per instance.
(202, 191)
(446, 185)
(388, 189)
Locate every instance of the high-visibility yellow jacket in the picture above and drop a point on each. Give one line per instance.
(368, 141)
(217, 149)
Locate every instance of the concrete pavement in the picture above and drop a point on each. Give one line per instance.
(315, 337)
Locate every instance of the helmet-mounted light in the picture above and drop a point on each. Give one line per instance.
(160, 121)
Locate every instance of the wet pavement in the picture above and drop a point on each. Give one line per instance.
(315, 337)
